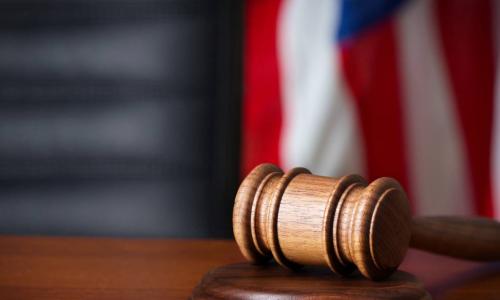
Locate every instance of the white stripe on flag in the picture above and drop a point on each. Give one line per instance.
(320, 129)
(495, 169)
(438, 169)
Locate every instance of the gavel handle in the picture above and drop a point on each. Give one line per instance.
(461, 237)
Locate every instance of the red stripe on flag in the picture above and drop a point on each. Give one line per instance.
(466, 31)
(262, 95)
(369, 62)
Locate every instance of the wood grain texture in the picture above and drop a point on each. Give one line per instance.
(468, 238)
(100, 268)
(302, 219)
(246, 281)
(345, 223)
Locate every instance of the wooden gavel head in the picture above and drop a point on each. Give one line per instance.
(302, 219)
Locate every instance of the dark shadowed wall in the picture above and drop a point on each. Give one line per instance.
(119, 117)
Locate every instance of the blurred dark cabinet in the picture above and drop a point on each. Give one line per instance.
(119, 117)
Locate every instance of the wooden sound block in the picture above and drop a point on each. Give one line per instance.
(247, 281)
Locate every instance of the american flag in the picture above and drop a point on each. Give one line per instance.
(406, 89)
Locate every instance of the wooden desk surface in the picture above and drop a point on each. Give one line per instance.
(101, 268)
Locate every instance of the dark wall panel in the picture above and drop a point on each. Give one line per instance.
(139, 208)
(145, 128)
(118, 117)
(176, 51)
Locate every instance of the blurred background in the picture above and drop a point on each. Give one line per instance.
(119, 117)
(139, 118)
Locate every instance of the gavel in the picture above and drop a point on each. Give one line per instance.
(344, 223)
